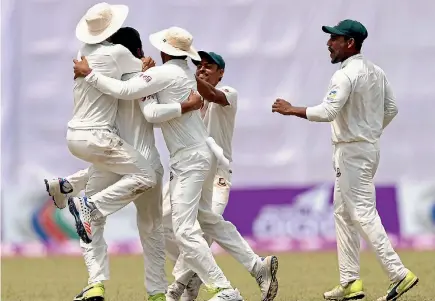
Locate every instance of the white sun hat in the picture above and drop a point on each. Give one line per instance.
(100, 22)
(175, 41)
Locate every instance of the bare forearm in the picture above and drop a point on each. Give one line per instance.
(209, 92)
(300, 112)
(205, 89)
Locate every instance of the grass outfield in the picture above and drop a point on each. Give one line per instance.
(302, 276)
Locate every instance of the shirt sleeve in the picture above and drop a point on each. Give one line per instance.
(390, 107)
(146, 83)
(231, 95)
(126, 61)
(155, 112)
(336, 97)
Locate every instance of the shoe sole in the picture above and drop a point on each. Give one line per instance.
(47, 187)
(97, 298)
(273, 288)
(79, 225)
(358, 296)
(406, 290)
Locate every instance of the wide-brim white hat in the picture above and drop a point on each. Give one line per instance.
(100, 22)
(175, 41)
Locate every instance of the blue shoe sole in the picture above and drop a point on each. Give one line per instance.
(79, 225)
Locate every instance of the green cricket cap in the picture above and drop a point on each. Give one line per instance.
(348, 28)
(211, 57)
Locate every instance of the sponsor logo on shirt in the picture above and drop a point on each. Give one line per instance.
(152, 96)
(332, 95)
(147, 78)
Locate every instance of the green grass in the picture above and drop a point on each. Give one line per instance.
(302, 276)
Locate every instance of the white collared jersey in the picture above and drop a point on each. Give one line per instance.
(220, 120)
(173, 83)
(359, 102)
(93, 109)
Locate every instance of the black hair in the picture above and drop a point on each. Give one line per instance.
(183, 57)
(130, 39)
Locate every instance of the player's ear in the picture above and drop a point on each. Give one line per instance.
(221, 74)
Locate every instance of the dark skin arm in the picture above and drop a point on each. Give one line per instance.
(285, 108)
(211, 93)
(194, 102)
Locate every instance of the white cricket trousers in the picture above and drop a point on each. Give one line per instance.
(109, 155)
(191, 191)
(149, 224)
(355, 212)
(221, 193)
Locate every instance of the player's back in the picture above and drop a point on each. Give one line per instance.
(361, 118)
(92, 109)
(188, 129)
(136, 130)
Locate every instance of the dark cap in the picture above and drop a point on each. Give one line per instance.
(348, 28)
(211, 57)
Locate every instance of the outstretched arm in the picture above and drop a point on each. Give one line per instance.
(147, 83)
(327, 111)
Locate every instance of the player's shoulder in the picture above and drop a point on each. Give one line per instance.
(228, 90)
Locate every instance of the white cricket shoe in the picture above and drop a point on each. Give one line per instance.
(227, 294)
(82, 210)
(58, 190)
(192, 289)
(265, 275)
(175, 290)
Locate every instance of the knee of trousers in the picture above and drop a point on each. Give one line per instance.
(188, 239)
(363, 216)
(144, 182)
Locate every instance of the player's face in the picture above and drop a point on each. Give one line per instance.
(209, 72)
(338, 46)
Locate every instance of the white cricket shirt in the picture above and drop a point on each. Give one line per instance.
(220, 120)
(93, 109)
(135, 129)
(359, 103)
(172, 82)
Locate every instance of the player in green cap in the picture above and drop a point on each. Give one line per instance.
(359, 105)
(218, 113)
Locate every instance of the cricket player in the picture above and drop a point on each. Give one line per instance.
(359, 105)
(91, 135)
(191, 162)
(218, 113)
(135, 130)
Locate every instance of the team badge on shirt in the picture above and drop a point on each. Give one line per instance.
(222, 182)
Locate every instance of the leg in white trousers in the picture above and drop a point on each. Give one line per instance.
(149, 222)
(108, 153)
(221, 192)
(185, 223)
(355, 212)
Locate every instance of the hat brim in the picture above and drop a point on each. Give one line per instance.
(203, 54)
(156, 39)
(119, 15)
(332, 30)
